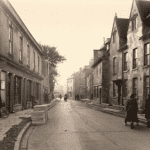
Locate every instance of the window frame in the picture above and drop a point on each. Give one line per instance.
(10, 39)
(135, 86)
(114, 65)
(134, 22)
(114, 36)
(38, 64)
(28, 54)
(34, 60)
(146, 55)
(125, 61)
(134, 65)
(21, 48)
(146, 86)
(114, 89)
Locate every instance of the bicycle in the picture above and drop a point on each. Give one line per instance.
(4, 110)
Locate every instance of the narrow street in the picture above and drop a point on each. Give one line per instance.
(73, 126)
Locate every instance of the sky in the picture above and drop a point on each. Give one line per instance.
(75, 27)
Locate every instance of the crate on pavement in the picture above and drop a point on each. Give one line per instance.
(39, 114)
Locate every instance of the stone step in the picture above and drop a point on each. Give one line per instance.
(37, 114)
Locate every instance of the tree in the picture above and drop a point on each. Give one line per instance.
(53, 57)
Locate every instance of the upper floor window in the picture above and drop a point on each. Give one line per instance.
(125, 61)
(146, 54)
(38, 63)
(107, 46)
(28, 55)
(33, 59)
(10, 39)
(134, 23)
(134, 58)
(114, 65)
(114, 37)
(21, 48)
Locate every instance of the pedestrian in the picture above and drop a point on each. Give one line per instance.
(147, 110)
(131, 111)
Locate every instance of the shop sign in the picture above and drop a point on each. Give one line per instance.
(2, 85)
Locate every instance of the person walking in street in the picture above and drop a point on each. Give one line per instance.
(60, 96)
(131, 111)
(147, 110)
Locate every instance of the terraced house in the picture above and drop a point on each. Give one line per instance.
(20, 61)
(101, 73)
(129, 55)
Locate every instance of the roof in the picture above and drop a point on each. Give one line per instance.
(88, 72)
(144, 8)
(122, 26)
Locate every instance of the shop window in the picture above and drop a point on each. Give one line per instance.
(17, 90)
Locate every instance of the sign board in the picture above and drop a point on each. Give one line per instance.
(2, 85)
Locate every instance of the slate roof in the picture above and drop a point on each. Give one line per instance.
(144, 8)
(122, 26)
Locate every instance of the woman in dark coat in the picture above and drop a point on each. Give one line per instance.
(147, 110)
(131, 109)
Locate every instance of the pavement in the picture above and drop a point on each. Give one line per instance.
(13, 119)
(94, 105)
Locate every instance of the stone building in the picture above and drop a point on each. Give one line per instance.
(101, 73)
(20, 61)
(137, 73)
(117, 53)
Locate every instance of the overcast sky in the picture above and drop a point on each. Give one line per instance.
(75, 27)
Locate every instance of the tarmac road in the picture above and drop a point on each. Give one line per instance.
(73, 126)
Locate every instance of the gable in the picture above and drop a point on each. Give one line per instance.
(134, 13)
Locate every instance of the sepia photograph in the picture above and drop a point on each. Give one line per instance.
(74, 74)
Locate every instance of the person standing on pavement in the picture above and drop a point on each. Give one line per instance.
(131, 111)
(147, 110)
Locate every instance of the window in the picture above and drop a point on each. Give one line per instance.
(38, 63)
(125, 61)
(114, 89)
(135, 86)
(134, 23)
(114, 37)
(28, 55)
(21, 47)
(125, 88)
(107, 47)
(10, 39)
(114, 65)
(134, 58)
(146, 54)
(146, 86)
(34, 59)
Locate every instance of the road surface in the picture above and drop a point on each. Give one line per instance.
(73, 126)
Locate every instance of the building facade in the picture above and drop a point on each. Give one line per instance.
(20, 62)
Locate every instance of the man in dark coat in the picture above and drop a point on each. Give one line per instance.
(147, 110)
(131, 109)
